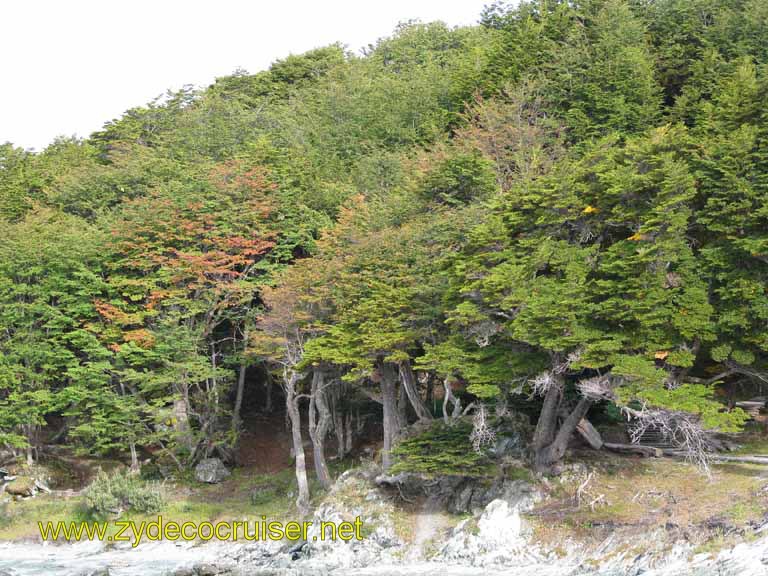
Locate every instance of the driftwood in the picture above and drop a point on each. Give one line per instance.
(590, 434)
(752, 406)
(762, 460)
(638, 449)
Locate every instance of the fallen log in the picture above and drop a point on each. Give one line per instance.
(590, 434)
(762, 460)
(640, 450)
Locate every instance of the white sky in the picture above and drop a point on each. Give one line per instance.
(69, 66)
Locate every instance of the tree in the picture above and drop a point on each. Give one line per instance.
(186, 266)
(49, 277)
(590, 272)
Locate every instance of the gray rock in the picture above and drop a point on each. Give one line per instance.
(457, 494)
(408, 484)
(21, 486)
(208, 569)
(460, 502)
(211, 471)
(97, 572)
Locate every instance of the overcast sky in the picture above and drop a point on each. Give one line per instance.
(69, 66)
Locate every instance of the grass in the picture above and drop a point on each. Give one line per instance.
(186, 501)
(639, 496)
(752, 443)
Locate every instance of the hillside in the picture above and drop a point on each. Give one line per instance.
(556, 217)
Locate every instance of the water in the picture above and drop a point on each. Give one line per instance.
(163, 558)
(76, 559)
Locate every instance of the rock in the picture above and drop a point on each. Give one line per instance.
(499, 537)
(205, 569)
(507, 446)
(208, 569)
(457, 494)
(211, 471)
(408, 484)
(21, 486)
(460, 502)
(97, 572)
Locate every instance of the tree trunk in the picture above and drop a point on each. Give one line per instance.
(547, 423)
(29, 432)
(294, 415)
(135, 466)
(449, 397)
(408, 382)
(349, 435)
(548, 455)
(181, 417)
(402, 408)
(338, 430)
(236, 419)
(390, 418)
(318, 428)
(430, 392)
(268, 393)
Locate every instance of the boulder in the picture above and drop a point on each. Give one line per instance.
(498, 536)
(457, 494)
(211, 471)
(21, 486)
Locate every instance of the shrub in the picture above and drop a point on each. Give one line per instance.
(441, 450)
(121, 491)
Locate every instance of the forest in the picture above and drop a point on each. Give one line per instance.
(560, 212)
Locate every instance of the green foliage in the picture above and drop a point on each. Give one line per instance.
(460, 180)
(441, 450)
(577, 184)
(111, 494)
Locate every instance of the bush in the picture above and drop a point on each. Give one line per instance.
(261, 495)
(151, 471)
(121, 491)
